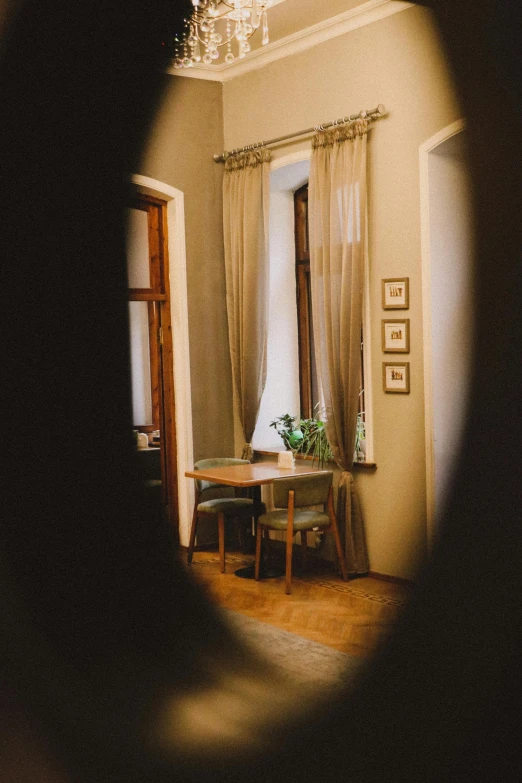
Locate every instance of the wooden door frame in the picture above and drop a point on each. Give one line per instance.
(302, 271)
(177, 334)
(157, 297)
(167, 391)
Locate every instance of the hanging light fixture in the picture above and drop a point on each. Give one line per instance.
(225, 25)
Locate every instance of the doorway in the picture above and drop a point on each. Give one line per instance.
(151, 346)
(447, 304)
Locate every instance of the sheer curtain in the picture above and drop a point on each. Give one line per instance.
(337, 226)
(246, 193)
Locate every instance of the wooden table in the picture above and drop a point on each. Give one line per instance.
(252, 475)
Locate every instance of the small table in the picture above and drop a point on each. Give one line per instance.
(251, 475)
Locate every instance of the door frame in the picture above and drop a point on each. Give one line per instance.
(180, 341)
(424, 152)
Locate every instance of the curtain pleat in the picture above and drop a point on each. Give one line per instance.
(337, 226)
(246, 193)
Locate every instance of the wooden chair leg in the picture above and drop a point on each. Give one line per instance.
(289, 543)
(221, 539)
(193, 529)
(335, 530)
(259, 536)
(304, 549)
(254, 523)
(288, 569)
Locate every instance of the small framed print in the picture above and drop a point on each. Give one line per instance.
(396, 293)
(396, 335)
(396, 377)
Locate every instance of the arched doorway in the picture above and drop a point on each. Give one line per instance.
(180, 343)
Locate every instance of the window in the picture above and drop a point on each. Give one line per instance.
(147, 292)
(309, 392)
(308, 386)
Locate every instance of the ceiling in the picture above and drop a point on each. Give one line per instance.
(287, 17)
(295, 25)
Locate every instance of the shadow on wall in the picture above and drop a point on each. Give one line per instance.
(117, 665)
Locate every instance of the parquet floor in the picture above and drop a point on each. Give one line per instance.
(353, 617)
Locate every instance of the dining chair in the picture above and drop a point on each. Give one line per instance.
(223, 508)
(296, 493)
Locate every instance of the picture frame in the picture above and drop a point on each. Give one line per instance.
(396, 293)
(395, 335)
(396, 377)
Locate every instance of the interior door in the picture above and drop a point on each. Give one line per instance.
(151, 339)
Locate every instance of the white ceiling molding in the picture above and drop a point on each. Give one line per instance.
(367, 13)
(209, 73)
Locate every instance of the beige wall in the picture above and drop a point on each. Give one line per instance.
(398, 62)
(187, 132)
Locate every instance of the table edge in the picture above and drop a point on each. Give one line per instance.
(196, 474)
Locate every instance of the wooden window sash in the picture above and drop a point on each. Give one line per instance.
(156, 235)
(304, 315)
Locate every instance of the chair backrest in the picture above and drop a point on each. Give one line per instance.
(308, 490)
(216, 462)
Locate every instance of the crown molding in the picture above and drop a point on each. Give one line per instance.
(362, 15)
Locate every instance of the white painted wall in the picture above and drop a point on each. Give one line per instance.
(281, 394)
(451, 304)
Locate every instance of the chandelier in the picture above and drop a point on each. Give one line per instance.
(217, 26)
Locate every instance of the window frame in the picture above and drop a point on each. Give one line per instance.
(303, 303)
(304, 325)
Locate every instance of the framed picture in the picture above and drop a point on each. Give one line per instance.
(396, 377)
(396, 335)
(396, 293)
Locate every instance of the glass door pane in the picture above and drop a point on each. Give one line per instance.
(140, 364)
(138, 265)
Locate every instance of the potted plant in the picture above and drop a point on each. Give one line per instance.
(291, 433)
(304, 436)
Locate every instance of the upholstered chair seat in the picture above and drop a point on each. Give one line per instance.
(305, 520)
(225, 504)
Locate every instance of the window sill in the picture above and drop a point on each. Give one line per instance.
(274, 452)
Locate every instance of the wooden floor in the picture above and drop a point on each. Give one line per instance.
(353, 616)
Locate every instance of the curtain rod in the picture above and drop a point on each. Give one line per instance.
(379, 111)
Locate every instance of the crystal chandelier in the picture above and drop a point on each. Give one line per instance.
(221, 25)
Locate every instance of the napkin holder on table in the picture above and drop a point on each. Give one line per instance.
(286, 459)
